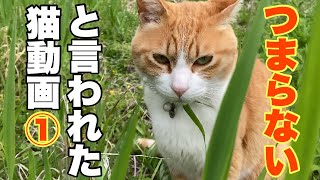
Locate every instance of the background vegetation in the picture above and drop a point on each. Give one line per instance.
(121, 89)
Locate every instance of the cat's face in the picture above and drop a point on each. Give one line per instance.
(185, 51)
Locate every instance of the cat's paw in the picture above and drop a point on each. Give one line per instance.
(145, 143)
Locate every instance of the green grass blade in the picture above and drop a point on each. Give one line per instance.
(32, 166)
(120, 167)
(104, 175)
(8, 118)
(46, 162)
(195, 120)
(156, 170)
(262, 174)
(223, 137)
(308, 106)
(65, 32)
(102, 144)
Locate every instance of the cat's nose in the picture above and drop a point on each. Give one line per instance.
(179, 90)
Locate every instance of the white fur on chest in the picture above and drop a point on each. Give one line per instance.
(179, 140)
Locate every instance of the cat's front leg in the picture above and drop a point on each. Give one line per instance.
(176, 176)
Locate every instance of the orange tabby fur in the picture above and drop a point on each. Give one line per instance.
(202, 28)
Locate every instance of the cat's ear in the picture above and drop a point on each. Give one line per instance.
(151, 11)
(227, 10)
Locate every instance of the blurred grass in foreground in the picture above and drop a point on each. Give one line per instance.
(223, 137)
(309, 103)
(308, 106)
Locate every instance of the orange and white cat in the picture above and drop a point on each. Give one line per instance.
(186, 53)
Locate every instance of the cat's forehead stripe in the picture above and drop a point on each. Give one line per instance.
(174, 46)
(171, 46)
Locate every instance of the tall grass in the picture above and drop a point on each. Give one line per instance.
(119, 170)
(52, 161)
(223, 136)
(8, 117)
(32, 166)
(47, 166)
(308, 106)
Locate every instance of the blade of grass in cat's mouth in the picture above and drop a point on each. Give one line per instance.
(195, 120)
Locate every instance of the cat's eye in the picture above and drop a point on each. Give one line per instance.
(161, 59)
(203, 60)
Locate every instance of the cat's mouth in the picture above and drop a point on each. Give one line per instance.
(171, 104)
(170, 107)
(181, 100)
